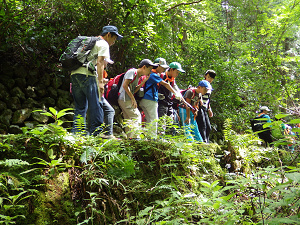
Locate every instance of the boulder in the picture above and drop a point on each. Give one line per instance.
(37, 116)
(21, 115)
(6, 116)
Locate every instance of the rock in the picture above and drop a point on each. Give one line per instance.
(13, 103)
(37, 116)
(14, 129)
(63, 103)
(21, 83)
(4, 95)
(17, 92)
(52, 92)
(9, 83)
(6, 116)
(46, 79)
(21, 115)
(47, 101)
(41, 90)
(30, 103)
(31, 124)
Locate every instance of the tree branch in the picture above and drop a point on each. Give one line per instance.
(183, 3)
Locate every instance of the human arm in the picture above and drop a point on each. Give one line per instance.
(141, 84)
(176, 93)
(127, 90)
(187, 120)
(100, 68)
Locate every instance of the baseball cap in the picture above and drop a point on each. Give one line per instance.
(205, 83)
(111, 29)
(265, 108)
(161, 62)
(176, 65)
(147, 62)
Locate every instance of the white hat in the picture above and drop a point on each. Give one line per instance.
(265, 108)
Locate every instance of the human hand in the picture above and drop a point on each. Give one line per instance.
(101, 89)
(133, 103)
(178, 96)
(210, 113)
(187, 120)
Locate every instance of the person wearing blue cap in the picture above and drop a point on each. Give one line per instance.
(205, 110)
(88, 87)
(187, 115)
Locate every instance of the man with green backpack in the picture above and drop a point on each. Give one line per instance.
(88, 84)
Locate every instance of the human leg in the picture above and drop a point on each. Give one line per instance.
(194, 128)
(80, 103)
(95, 112)
(133, 117)
(109, 114)
(186, 126)
(201, 123)
(150, 110)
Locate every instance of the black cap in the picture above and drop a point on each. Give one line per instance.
(111, 29)
(147, 62)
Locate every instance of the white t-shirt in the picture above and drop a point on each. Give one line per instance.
(130, 75)
(101, 48)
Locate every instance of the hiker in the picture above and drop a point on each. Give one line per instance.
(85, 84)
(187, 115)
(205, 110)
(266, 134)
(126, 98)
(164, 95)
(149, 103)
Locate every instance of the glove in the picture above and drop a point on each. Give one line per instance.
(178, 96)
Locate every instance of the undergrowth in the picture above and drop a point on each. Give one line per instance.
(49, 176)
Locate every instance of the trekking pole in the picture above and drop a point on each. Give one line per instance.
(187, 104)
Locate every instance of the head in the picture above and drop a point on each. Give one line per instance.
(210, 75)
(203, 87)
(145, 66)
(264, 109)
(162, 65)
(175, 69)
(110, 34)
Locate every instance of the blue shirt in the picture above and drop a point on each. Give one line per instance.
(152, 87)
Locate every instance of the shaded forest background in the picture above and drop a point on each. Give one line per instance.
(253, 45)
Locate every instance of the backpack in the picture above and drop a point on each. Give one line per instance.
(111, 89)
(77, 52)
(257, 123)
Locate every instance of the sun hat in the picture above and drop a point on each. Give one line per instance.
(111, 29)
(205, 83)
(265, 108)
(161, 62)
(147, 62)
(177, 66)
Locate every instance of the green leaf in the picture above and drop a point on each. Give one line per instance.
(280, 116)
(293, 176)
(53, 111)
(295, 121)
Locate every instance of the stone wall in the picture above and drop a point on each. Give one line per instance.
(23, 90)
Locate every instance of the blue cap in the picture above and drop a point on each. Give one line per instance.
(205, 83)
(111, 29)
